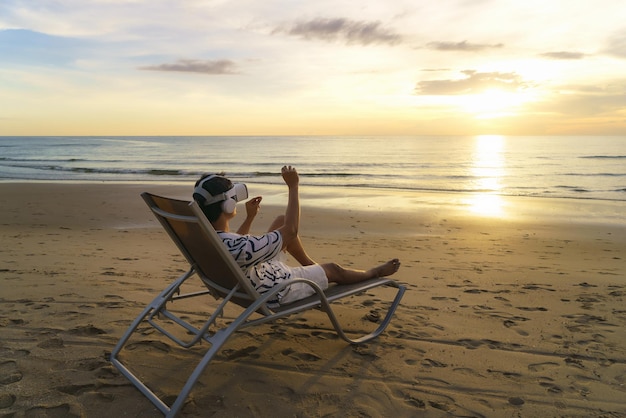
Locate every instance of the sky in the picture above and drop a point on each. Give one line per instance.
(323, 67)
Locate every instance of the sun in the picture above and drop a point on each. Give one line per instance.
(493, 103)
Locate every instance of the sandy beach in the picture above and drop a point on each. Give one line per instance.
(503, 317)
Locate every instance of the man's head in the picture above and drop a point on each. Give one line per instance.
(216, 194)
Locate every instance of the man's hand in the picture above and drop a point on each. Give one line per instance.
(253, 206)
(290, 176)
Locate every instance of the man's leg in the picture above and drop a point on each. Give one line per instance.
(295, 247)
(340, 275)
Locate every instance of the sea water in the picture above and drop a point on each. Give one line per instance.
(565, 167)
(573, 167)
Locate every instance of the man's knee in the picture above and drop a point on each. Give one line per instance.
(278, 222)
(333, 271)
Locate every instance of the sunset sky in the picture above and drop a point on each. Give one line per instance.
(285, 67)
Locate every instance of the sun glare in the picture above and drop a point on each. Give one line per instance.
(488, 169)
(493, 103)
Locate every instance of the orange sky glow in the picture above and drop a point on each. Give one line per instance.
(316, 68)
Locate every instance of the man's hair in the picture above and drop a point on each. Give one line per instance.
(214, 186)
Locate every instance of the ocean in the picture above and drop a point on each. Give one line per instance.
(564, 167)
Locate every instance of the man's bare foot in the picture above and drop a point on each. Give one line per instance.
(387, 269)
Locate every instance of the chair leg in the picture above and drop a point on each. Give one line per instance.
(195, 375)
(217, 342)
(218, 339)
(379, 330)
(156, 304)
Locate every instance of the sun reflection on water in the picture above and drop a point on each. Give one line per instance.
(488, 168)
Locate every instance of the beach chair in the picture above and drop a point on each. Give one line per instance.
(212, 263)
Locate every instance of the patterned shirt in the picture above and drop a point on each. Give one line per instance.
(259, 258)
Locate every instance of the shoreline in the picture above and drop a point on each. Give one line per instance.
(367, 200)
(503, 315)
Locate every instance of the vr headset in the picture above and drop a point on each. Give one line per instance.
(230, 197)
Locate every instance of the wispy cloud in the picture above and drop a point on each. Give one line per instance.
(473, 82)
(196, 66)
(461, 46)
(326, 58)
(350, 31)
(588, 100)
(31, 47)
(563, 55)
(617, 45)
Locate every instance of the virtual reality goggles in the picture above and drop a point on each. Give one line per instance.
(230, 197)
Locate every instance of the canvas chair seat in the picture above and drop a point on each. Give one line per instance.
(211, 262)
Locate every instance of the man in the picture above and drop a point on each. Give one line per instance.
(261, 257)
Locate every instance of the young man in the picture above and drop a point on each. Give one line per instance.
(261, 257)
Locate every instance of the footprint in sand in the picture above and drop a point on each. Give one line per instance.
(539, 367)
(444, 298)
(471, 344)
(112, 301)
(51, 343)
(365, 352)
(531, 308)
(249, 351)
(416, 402)
(551, 387)
(585, 319)
(467, 371)
(587, 301)
(63, 410)
(92, 364)
(536, 287)
(9, 373)
(107, 372)
(72, 315)
(76, 390)
(509, 375)
(433, 363)
(300, 356)
(372, 316)
(512, 324)
(325, 335)
(86, 330)
(585, 284)
(8, 353)
(149, 345)
(7, 400)
(575, 362)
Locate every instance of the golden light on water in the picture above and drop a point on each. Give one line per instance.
(488, 167)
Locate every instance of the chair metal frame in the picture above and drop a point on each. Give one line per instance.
(185, 223)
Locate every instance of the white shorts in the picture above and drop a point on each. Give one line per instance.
(298, 291)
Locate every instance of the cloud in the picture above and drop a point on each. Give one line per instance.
(474, 82)
(351, 31)
(461, 46)
(196, 66)
(563, 55)
(587, 101)
(617, 45)
(29, 47)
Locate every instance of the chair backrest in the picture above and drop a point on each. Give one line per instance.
(202, 247)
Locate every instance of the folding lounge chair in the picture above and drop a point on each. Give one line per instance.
(217, 269)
